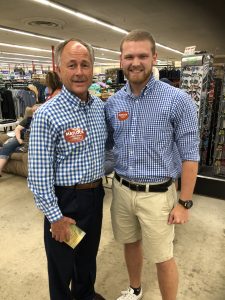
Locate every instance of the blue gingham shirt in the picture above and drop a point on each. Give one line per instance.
(55, 161)
(144, 141)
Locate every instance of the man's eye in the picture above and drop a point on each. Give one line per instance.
(85, 65)
(143, 56)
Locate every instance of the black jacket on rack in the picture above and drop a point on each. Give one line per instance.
(7, 105)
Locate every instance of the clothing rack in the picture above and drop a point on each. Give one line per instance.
(166, 66)
(170, 72)
(14, 84)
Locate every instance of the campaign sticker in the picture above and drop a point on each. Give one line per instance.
(74, 135)
(123, 115)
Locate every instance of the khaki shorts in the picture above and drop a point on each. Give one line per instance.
(141, 215)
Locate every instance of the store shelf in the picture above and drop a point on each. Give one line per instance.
(210, 186)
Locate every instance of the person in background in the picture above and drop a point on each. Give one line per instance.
(15, 144)
(34, 89)
(66, 164)
(166, 80)
(53, 85)
(145, 119)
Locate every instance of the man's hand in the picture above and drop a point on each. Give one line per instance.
(179, 215)
(61, 229)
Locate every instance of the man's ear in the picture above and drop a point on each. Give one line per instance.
(155, 58)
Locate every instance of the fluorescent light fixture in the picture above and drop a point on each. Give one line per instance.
(23, 62)
(105, 64)
(37, 49)
(96, 21)
(168, 48)
(20, 54)
(24, 47)
(12, 30)
(47, 38)
(80, 15)
(26, 59)
(29, 34)
(107, 50)
(109, 59)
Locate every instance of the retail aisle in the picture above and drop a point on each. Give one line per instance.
(199, 249)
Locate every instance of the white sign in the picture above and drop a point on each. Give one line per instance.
(189, 50)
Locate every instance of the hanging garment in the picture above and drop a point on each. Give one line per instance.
(7, 105)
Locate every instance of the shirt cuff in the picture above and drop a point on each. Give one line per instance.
(53, 214)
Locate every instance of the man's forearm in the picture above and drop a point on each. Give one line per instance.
(188, 179)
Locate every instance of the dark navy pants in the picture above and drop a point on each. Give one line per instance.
(72, 272)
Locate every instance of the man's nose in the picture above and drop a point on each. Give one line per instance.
(78, 70)
(136, 61)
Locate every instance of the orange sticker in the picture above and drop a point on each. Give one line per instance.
(123, 115)
(74, 135)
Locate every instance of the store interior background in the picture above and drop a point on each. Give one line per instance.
(31, 29)
(177, 24)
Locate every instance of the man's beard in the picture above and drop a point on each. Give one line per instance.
(138, 78)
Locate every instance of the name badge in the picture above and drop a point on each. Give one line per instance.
(74, 135)
(123, 115)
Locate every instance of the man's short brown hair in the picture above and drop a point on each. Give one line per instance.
(138, 35)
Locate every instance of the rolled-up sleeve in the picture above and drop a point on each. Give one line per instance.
(186, 128)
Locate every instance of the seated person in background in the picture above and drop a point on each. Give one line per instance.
(53, 83)
(17, 143)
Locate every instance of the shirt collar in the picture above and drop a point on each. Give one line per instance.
(146, 89)
(73, 99)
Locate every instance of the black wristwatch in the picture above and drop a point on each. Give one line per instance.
(187, 204)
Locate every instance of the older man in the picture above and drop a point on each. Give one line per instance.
(66, 163)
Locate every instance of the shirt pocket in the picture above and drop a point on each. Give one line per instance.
(68, 150)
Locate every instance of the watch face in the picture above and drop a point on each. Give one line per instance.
(188, 204)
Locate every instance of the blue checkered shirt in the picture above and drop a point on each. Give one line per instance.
(144, 140)
(55, 161)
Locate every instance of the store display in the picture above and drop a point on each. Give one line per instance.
(204, 82)
(219, 155)
(197, 81)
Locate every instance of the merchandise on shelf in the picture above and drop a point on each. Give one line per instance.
(219, 153)
(199, 78)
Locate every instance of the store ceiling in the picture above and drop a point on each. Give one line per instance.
(174, 23)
